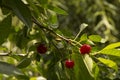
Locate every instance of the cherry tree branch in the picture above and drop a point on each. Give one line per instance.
(58, 35)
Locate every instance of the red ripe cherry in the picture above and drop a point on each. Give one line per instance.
(69, 63)
(85, 49)
(41, 48)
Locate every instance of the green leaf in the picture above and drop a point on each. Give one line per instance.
(43, 3)
(95, 38)
(18, 57)
(81, 70)
(96, 71)
(89, 62)
(22, 38)
(24, 63)
(38, 78)
(109, 63)
(21, 11)
(111, 46)
(113, 52)
(35, 8)
(53, 20)
(9, 69)
(83, 37)
(5, 28)
(22, 77)
(58, 10)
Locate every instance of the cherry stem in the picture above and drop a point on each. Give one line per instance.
(70, 56)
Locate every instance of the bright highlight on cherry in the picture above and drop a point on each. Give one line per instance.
(69, 64)
(85, 49)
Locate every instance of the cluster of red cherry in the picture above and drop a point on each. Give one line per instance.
(84, 49)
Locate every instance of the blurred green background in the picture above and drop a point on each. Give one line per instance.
(18, 36)
(102, 16)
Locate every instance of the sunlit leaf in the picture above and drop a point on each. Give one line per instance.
(38, 78)
(109, 63)
(89, 62)
(113, 45)
(95, 38)
(113, 52)
(83, 37)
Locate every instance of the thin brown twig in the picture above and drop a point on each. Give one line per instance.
(60, 36)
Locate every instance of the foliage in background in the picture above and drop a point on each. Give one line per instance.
(102, 16)
(63, 26)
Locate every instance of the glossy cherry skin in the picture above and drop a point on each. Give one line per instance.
(41, 48)
(85, 49)
(69, 63)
